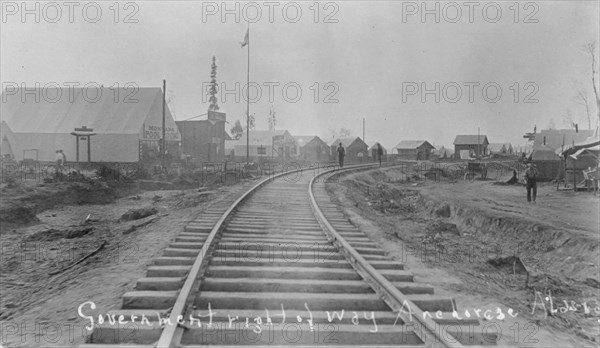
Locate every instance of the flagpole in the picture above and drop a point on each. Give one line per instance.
(248, 104)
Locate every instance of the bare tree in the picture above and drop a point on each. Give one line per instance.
(591, 49)
(568, 119)
(345, 133)
(582, 99)
(272, 119)
(341, 133)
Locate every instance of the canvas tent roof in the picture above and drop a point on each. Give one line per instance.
(497, 147)
(591, 142)
(585, 150)
(116, 111)
(445, 150)
(471, 139)
(228, 136)
(7, 137)
(412, 144)
(544, 153)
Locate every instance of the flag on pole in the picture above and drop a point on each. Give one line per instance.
(246, 38)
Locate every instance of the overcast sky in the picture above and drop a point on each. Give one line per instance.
(370, 53)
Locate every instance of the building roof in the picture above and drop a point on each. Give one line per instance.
(7, 138)
(374, 146)
(412, 144)
(228, 136)
(497, 147)
(556, 138)
(471, 139)
(346, 141)
(544, 153)
(589, 143)
(61, 110)
(302, 140)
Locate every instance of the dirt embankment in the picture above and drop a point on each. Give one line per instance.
(77, 242)
(502, 248)
(21, 203)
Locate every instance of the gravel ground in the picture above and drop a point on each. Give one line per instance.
(476, 241)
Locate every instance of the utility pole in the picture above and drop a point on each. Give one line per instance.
(478, 146)
(164, 127)
(248, 104)
(365, 140)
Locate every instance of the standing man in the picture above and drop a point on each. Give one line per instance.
(531, 180)
(341, 153)
(59, 162)
(64, 157)
(379, 153)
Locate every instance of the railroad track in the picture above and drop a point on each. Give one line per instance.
(281, 266)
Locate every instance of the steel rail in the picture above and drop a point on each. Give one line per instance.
(426, 329)
(171, 334)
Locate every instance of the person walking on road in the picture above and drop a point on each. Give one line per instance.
(379, 153)
(341, 154)
(531, 181)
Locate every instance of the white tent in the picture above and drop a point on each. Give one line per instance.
(120, 118)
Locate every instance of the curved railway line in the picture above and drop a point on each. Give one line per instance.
(282, 265)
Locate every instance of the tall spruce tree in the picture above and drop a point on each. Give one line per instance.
(213, 86)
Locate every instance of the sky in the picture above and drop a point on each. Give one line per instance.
(500, 68)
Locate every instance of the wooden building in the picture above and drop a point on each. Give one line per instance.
(548, 144)
(373, 151)
(549, 165)
(312, 148)
(356, 149)
(204, 140)
(414, 150)
(476, 145)
(265, 145)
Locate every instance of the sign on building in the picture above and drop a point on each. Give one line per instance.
(153, 132)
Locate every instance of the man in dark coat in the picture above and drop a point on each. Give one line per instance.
(379, 153)
(341, 154)
(531, 180)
